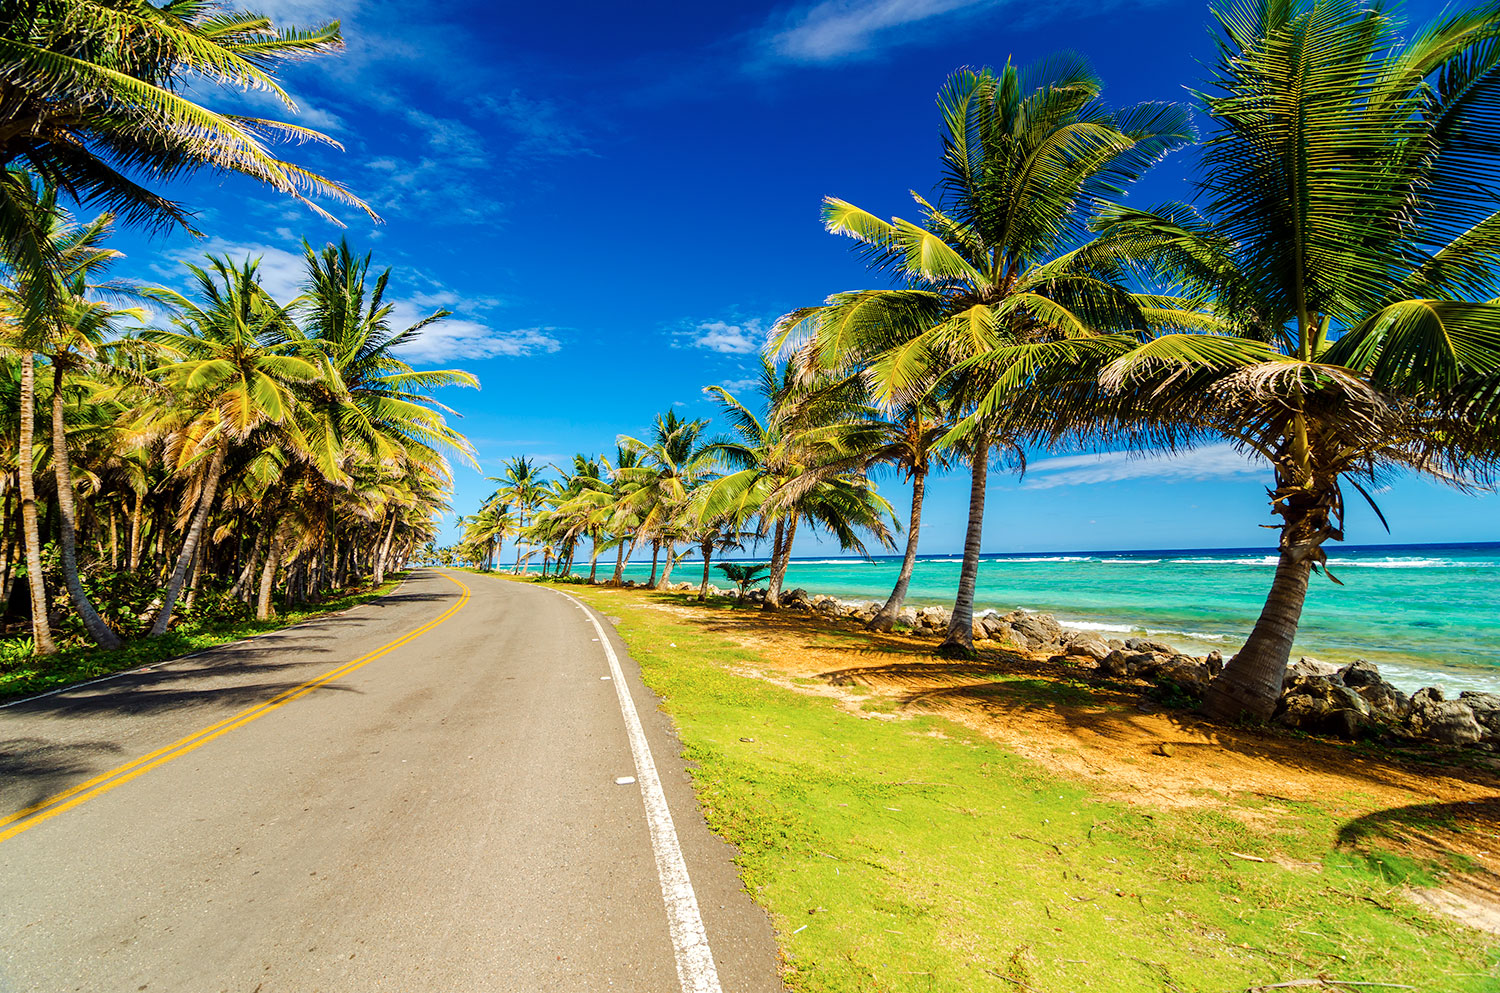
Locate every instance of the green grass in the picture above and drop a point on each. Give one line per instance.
(893, 858)
(38, 674)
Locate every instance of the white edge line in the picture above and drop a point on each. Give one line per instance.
(695, 961)
(213, 648)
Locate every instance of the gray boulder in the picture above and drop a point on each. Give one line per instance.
(1088, 646)
(1147, 645)
(1449, 722)
(796, 599)
(1305, 668)
(907, 617)
(995, 629)
(1184, 672)
(1386, 702)
(1319, 704)
(1215, 662)
(1123, 663)
(1030, 632)
(1486, 708)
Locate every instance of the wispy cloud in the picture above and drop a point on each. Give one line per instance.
(539, 125)
(466, 336)
(836, 29)
(1220, 461)
(744, 338)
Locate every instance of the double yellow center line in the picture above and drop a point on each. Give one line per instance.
(25, 820)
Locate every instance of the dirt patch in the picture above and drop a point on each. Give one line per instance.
(1439, 807)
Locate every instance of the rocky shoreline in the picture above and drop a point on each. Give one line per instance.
(1351, 701)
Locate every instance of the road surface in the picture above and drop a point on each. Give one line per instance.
(421, 794)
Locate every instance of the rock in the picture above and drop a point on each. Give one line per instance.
(1450, 722)
(796, 599)
(1122, 663)
(907, 617)
(1090, 646)
(1030, 632)
(1387, 702)
(1486, 708)
(828, 607)
(1114, 643)
(1184, 672)
(756, 596)
(1319, 704)
(994, 628)
(1215, 662)
(1166, 749)
(1306, 667)
(1146, 645)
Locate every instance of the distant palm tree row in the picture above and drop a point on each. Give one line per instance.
(164, 453)
(1326, 305)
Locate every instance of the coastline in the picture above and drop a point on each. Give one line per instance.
(1425, 614)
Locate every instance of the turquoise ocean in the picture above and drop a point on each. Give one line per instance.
(1427, 615)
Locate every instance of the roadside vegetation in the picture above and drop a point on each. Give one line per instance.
(199, 455)
(912, 823)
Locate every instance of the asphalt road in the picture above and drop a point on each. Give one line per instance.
(443, 815)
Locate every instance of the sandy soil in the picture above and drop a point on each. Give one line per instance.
(1108, 734)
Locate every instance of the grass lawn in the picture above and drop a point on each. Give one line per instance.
(37, 674)
(906, 852)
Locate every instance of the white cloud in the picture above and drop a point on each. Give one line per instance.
(539, 126)
(462, 337)
(745, 338)
(739, 385)
(834, 29)
(1220, 461)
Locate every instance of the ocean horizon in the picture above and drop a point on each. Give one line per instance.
(1427, 614)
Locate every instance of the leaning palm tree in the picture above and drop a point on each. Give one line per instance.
(996, 279)
(95, 99)
(227, 383)
(62, 324)
(673, 463)
(1347, 244)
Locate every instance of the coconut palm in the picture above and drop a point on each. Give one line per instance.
(228, 382)
(996, 278)
(521, 488)
(94, 96)
(791, 465)
(62, 324)
(1347, 243)
(673, 463)
(744, 575)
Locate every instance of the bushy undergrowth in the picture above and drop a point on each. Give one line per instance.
(213, 620)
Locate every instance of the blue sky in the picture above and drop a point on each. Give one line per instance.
(617, 199)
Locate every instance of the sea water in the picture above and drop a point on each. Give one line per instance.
(1427, 615)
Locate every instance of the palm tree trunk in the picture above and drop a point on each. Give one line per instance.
(41, 627)
(194, 536)
(593, 557)
(137, 533)
(781, 555)
(241, 585)
(708, 553)
(619, 576)
(385, 550)
(666, 569)
(885, 618)
(263, 611)
(103, 636)
(114, 539)
(960, 638)
(195, 573)
(655, 557)
(1250, 684)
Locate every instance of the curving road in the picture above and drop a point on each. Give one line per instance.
(417, 795)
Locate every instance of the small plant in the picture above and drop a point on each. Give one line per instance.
(744, 575)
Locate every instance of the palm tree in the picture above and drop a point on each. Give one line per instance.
(1347, 229)
(996, 280)
(62, 324)
(522, 489)
(94, 96)
(744, 575)
(792, 466)
(230, 383)
(672, 465)
(623, 520)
